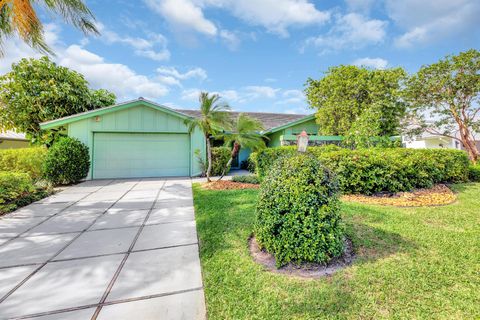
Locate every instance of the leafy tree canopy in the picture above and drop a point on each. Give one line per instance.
(351, 100)
(38, 90)
(444, 99)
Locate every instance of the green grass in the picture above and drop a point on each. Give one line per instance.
(413, 263)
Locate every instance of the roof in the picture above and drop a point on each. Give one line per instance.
(117, 107)
(12, 135)
(270, 121)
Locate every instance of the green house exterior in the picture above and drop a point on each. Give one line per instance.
(283, 135)
(135, 139)
(143, 139)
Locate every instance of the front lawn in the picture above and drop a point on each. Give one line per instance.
(412, 263)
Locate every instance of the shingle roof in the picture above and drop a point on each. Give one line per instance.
(268, 120)
(12, 135)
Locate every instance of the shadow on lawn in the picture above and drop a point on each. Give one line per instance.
(227, 222)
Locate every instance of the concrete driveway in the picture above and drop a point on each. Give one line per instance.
(109, 249)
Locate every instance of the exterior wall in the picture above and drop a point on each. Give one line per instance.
(431, 143)
(14, 144)
(243, 155)
(137, 119)
(310, 126)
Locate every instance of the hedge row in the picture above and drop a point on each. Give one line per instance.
(27, 160)
(369, 171)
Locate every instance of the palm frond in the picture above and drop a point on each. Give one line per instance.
(19, 17)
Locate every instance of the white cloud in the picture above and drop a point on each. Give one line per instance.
(432, 20)
(192, 73)
(230, 38)
(183, 14)
(118, 78)
(250, 93)
(292, 96)
(255, 92)
(275, 15)
(376, 63)
(115, 77)
(228, 96)
(352, 31)
(155, 47)
(171, 76)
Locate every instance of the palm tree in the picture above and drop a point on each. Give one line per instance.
(213, 119)
(19, 17)
(245, 134)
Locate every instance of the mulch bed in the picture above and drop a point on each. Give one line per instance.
(435, 196)
(305, 270)
(229, 185)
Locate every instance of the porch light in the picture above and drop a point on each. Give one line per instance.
(302, 141)
(97, 119)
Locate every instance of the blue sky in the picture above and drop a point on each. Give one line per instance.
(257, 54)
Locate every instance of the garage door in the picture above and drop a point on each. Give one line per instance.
(134, 155)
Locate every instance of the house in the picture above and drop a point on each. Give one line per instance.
(433, 141)
(141, 138)
(13, 140)
(279, 128)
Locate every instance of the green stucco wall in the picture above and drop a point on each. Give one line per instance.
(137, 119)
(310, 126)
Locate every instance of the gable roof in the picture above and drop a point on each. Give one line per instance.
(270, 121)
(12, 135)
(117, 107)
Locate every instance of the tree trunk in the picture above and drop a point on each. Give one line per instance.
(209, 157)
(236, 148)
(468, 143)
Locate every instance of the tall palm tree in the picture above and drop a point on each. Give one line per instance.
(213, 119)
(245, 134)
(19, 17)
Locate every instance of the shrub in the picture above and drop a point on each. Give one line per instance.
(298, 216)
(246, 179)
(220, 157)
(368, 171)
(67, 161)
(474, 173)
(14, 185)
(27, 160)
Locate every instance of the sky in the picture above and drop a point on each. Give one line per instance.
(256, 54)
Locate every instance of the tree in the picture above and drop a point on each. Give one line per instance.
(353, 100)
(213, 119)
(448, 93)
(18, 17)
(38, 90)
(244, 134)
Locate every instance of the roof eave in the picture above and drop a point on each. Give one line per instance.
(117, 107)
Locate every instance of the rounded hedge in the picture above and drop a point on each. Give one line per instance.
(67, 161)
(298, 217)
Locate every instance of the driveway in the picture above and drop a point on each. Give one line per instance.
(103, 249)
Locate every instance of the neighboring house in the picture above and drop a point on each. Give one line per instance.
(13, 140)
(433, 141)
(140, 138)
